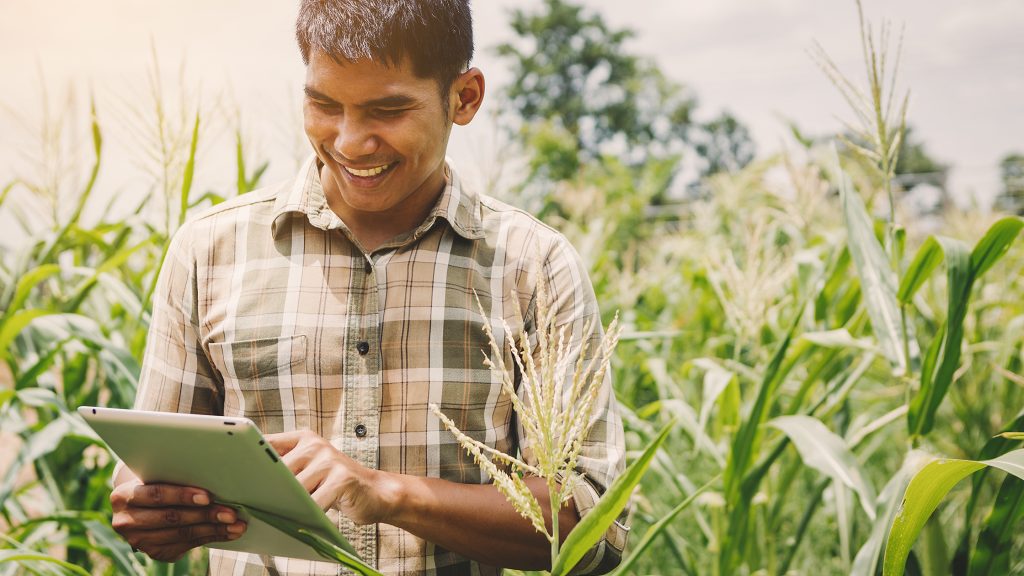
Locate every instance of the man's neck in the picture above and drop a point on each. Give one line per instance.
(371, 230)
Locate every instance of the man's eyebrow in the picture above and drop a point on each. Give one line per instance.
(394, 101)
(316, 95)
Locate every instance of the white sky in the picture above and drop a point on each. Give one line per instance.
(964, 62)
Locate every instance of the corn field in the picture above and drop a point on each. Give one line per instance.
(842, 386)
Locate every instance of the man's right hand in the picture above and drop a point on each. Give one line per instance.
(166, 521)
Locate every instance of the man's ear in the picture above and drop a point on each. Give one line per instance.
(467, 94)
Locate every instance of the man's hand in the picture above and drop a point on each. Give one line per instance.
(363, 495)
(166, 521)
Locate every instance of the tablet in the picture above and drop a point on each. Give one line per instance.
(226, 456)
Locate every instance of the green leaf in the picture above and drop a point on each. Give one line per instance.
(190, 167)
(743, 445)
(27, 557)
(26, 283)
(827, 453)
(925, 492)
(992, 553)
(112, 263)
(887, 505)
(877, 278)
(928, 257)
(658, 528)
(326, 548)
(595, 523)
(716, 380)
(994, 244)
(13, 326)
(839, 338)
(7, 190)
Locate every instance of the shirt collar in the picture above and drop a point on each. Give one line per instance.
(457, 205)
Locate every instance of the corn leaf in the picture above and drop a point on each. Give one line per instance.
(963, 268)
(190, 168)
(595, 523)
(28, 558)
(6, 191)
(716, 380)
(26, 283)
(928, 257)
(742, 452)
(992, 552)
(877, 278)
(324, 547)
(657, 529)
(119, 550)
(997, 240)
(926, 490)
(999, 444)
(827, 453)
(13, 325)
(887, 504)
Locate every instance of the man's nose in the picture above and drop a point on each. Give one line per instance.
(356, 138)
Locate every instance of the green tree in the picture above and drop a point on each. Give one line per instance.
(724, 145)
(1011, 197)
(580, 95)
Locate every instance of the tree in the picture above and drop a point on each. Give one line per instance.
(1011, 197)
(724, 144)
(581, 95)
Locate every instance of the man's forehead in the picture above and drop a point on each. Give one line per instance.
(363, 79)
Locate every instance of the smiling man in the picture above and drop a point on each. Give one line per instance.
(332, 310)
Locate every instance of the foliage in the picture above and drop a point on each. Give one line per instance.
(1011, 197)
(579, 96)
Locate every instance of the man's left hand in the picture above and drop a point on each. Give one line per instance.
(364, 495)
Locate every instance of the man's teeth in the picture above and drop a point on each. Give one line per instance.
(368, 173)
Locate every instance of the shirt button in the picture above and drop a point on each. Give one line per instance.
(360, 430)
(363, 347)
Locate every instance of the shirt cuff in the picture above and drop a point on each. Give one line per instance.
(604, 556)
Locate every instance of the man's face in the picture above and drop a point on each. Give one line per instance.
(381, 133)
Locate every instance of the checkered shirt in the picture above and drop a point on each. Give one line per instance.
(267, 308)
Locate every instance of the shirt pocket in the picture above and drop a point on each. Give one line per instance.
(264, 379)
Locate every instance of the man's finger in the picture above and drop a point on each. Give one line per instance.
(284, 442)
(163, 495)
(324, 497)
(190, 536)
(140, 518)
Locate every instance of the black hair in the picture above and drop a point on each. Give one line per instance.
(436, 35)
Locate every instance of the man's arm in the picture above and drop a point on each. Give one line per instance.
(166, 521)
(475, 521)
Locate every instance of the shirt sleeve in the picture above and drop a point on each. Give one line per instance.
(602, 456)
(177, 375)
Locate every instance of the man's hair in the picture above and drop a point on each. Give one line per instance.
(436, 35)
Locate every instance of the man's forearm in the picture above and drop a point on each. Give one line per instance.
(475, 521)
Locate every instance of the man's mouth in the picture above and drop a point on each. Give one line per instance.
(368, 172)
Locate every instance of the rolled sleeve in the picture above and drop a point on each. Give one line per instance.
(604, 556)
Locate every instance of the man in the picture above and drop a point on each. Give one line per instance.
(334, 309)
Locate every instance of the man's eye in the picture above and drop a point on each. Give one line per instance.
(388, 112)
(325, 106)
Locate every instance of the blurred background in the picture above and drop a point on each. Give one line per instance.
(238, 60)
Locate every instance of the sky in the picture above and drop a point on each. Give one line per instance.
(963, 63)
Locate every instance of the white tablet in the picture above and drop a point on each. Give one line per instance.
(226, 456)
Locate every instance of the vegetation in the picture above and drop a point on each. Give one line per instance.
(833, 376)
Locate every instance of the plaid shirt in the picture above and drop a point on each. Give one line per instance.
(267, 308)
